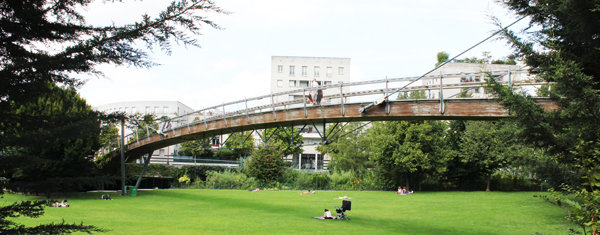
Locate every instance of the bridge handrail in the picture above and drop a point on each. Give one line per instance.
(183, 120)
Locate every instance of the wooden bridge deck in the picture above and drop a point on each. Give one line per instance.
(455, 109)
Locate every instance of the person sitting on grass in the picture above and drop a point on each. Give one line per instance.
(106, 197)
(326, 215)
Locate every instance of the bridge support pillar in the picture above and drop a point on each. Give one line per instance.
(146, 162)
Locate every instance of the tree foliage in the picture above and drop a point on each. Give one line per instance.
(562, 47)
(406, 150)
(241, 143)
(48, 134)
(349, 149)
(197, 148)
(442, 57)
(266, 164)
(50, 146)
(486, 145)
(47, 41)
(287, 139)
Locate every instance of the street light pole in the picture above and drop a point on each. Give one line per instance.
(123, 157)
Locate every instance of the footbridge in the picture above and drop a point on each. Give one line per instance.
(460, 96)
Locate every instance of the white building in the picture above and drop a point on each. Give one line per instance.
(294, 72)
(465, 76)
(158, 109)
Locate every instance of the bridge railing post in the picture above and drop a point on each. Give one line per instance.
(387, 104)
(273, 107)
(224, 115)
(342, 98)
(247, 114)
(442, 107)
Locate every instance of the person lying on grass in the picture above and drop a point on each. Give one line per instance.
(307, 192)
(63, 203)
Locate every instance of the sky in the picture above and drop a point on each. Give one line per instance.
(383, 38)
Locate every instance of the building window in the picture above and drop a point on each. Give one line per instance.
(316, 71)
(303, 83)
(279, 83)
(166, 109)
(304, 71)
(147, 110)
(340, 70)
(291, 97)
(325, 83)
(280, 68)
(156, 109)
(215, 141)
(328, 72)
(292, 70)
(292, 83)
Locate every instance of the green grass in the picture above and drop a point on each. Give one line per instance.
(287, 212)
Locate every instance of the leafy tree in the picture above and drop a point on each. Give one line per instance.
(486, 146)
(47, 41)
(242, 143)
(442, 57)
(415, 95)
(287, 139)
(562, 48)
(407, 150)
(49, 147)
(266, 164)
(143, 126)
(510, 60)
(108, 134)
(349, 150)
(197, 148)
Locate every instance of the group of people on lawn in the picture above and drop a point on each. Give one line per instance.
(403, 191)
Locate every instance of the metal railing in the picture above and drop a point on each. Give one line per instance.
(435, 87)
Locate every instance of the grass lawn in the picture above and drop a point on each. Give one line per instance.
(287, 212)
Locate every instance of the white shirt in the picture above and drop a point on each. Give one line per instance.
(328, 214)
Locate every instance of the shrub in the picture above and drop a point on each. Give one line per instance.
(184, 179)
(200, 172)
(266, 164)
(302, 180)
(228, 179)
(319, 180)
(342, 180)
(225, 153)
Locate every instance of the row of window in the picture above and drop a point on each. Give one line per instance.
(316, 70)
(148, 110)
(300, 83)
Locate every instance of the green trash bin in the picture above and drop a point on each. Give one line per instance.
(133, 191)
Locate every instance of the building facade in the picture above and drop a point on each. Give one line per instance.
(158, 109)
(296, 72)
